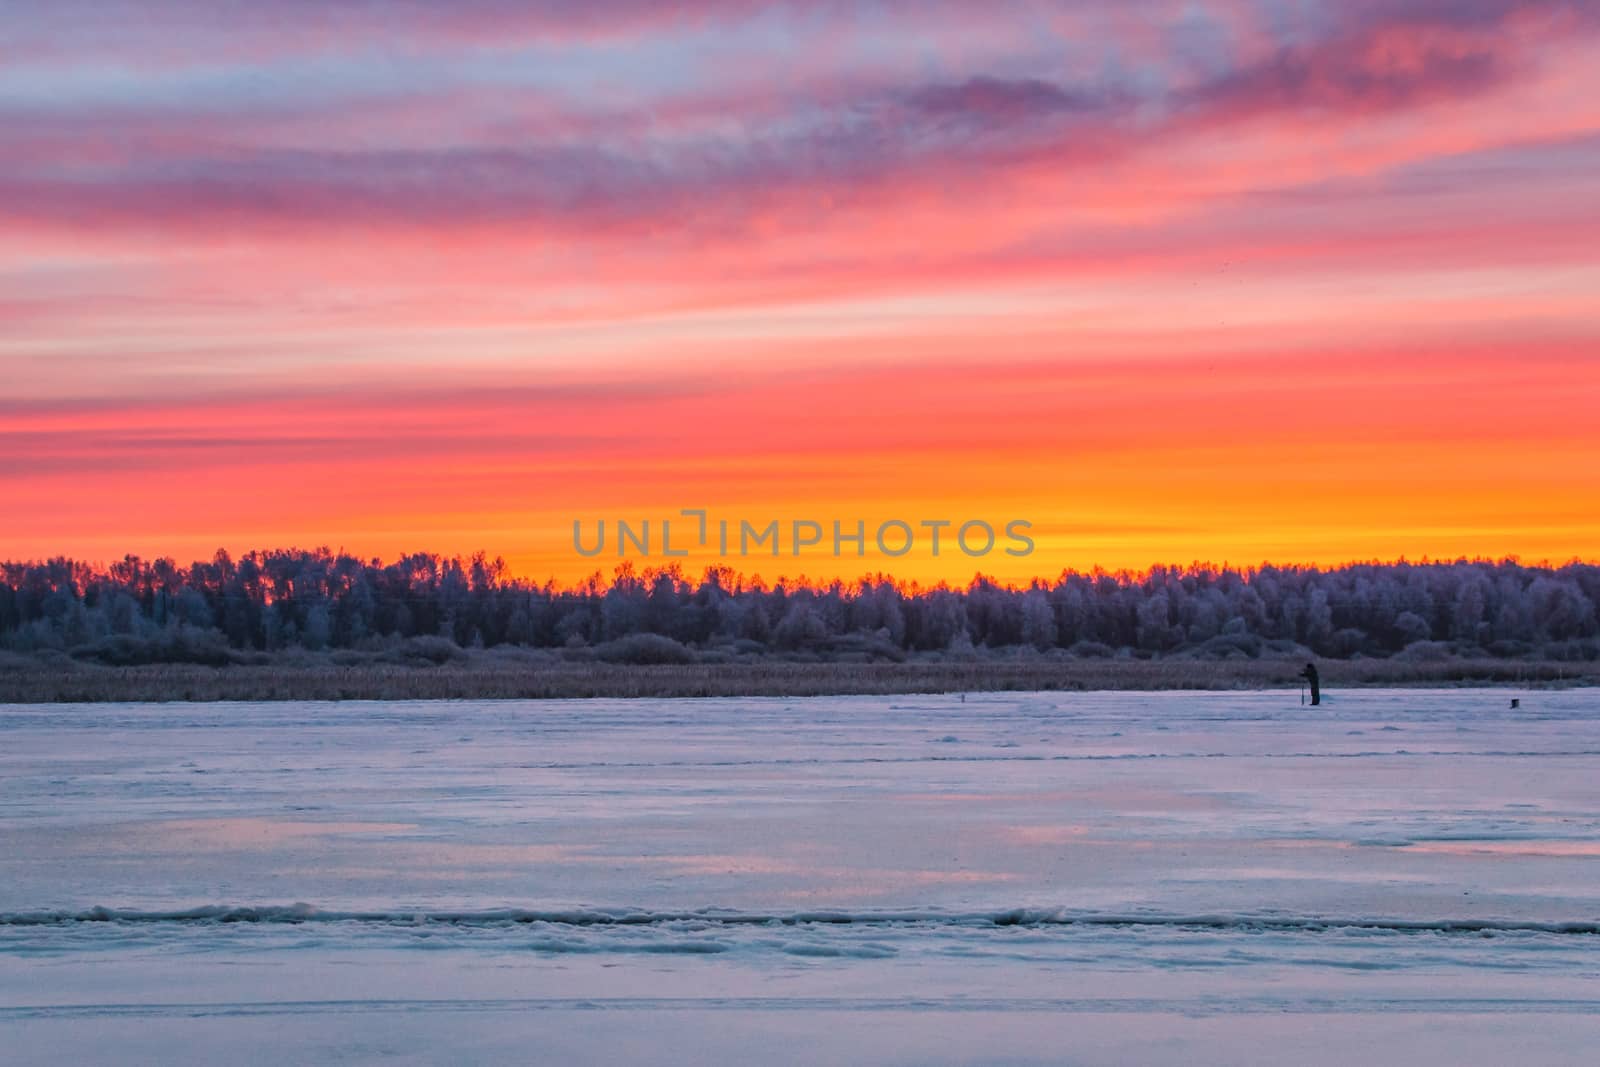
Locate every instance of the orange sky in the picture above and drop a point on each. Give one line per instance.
(1225, 282)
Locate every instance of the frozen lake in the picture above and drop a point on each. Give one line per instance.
(1016, 878)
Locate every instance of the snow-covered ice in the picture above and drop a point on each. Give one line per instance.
(1109, 877)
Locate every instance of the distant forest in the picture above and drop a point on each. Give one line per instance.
(426, 608)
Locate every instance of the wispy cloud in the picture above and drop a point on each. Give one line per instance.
(1129, 254)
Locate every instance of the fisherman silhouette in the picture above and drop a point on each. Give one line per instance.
(1310, 675)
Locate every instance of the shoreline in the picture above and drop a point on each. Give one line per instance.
(490, 679)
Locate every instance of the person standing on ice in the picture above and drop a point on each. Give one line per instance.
(1310, 675)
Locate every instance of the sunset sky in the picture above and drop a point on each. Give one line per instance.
(1244, 280)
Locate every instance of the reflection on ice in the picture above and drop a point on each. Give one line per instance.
(249, 833)
(1066, 856)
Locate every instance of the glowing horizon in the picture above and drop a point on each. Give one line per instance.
(1231, 281)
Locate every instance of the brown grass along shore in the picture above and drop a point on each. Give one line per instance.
(22, 681)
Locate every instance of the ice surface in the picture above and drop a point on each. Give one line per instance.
(1172, 877)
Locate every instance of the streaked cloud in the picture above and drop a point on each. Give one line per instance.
(1110, 262)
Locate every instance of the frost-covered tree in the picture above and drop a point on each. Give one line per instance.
(137, 610)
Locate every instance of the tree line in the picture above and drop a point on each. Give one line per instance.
(262, 603)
